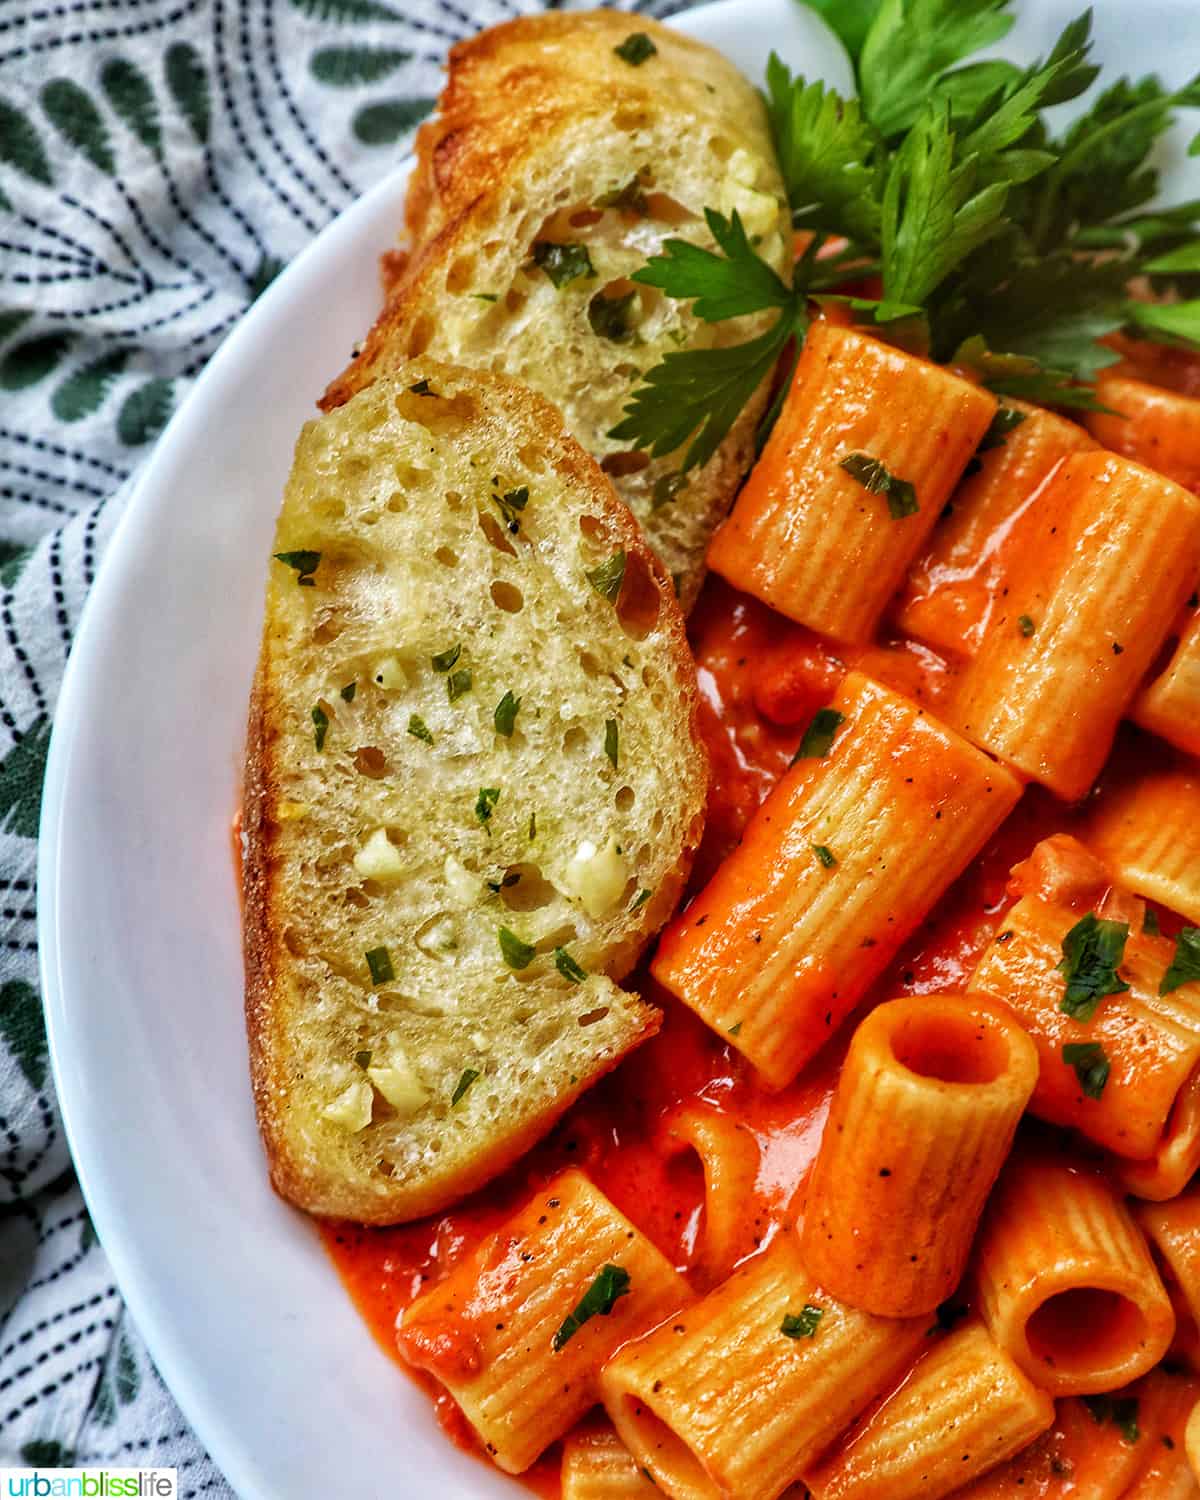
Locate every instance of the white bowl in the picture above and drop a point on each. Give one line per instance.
(139, 921)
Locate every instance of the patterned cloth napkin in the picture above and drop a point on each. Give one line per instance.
(160, 162)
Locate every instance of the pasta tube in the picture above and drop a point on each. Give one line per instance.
(1066, 1284)
(1113, 1064)
(964, 1408)
(882, 810)
(953, 585)
(596, 1465)
(867, 448)
(1170, 705)
(1079, 1457)
(1107, 556)
(1176, 1158)
(1148, 833)
(926, 1106)
(1165, 1404)
(729, 1155)
(1191, 1439)
(518, 1331)
(1152, 426)
(741, 1392)
(1173, 1230)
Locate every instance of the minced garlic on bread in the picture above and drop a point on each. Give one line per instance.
(565, 150)
(473, 792)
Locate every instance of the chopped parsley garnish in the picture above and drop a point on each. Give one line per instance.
(505, 716)
(466, 1079)
(609, 317)
(1185, 965)
(1092, 951)
(485, 802)
(532, 826)
(563, 263)
(567, 966)
(305, 563)
(826, 856)
(349, 691)
(511, 503)
(363, 1058)
(518, 954)
(422, 389)
(598, 1301)
(735, 1028)
(486, 296)
(635, 49)
(1091, 1065)
(1006, 419)
(320, 726)
(818, 737)
(629, 198)
(419, 729)
(875, 477)
(608, 577)
(666, 490)
(1121, 1411)
(802, 1325)
(444, 660)
(457, 684)
(1025, 624)
(642, 897)
(612, 740)
(379, 962)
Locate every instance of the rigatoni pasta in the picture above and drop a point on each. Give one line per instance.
(953, 585)
(965, 1407)
(1176, 1158)
(1169, 705)
(1153, 426)
(867, 448)
(1065, 1281)
(1108, 554)
(1147, 830)
(596, 1465)
(1079, 1456)
(928, 1100)
(518, 1332)
(1173, 1230)
(882, 808)
(1165, 1403)
(741, 1392)
(1115, 1060)
(729, 1157)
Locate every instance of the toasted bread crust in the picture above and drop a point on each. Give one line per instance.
(304, 1176)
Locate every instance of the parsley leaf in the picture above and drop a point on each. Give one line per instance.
(598, 1301)
(818, 737)
(802, 1325)
(635, 49)
(612, 740)
(305, 563)
(567, 966)
(510, 503)
(419, 729)
(1092, 950)
(444, 660)
(320, 726)
(699, 394)
(607, 577)
(1185, 965)
(1168, 322)
(505, 716)
(874, 476)
(518, 954)
(826, 154)
(485, 802)
(723, 286)
(912, 43)
(457, 684)
(1091, 1065)
(850, 20)
(1006, 420)
(466, 1079)
(1026, 625)
(347, 693)
(609, 317)
(1121, 1411)
(379, 964)
(825, 855)
(563, 263)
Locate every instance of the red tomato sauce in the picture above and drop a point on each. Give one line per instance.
(761, 678)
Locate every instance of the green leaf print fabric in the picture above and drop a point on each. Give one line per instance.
(161, 161)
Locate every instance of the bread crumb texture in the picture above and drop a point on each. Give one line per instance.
(471, 756)
(546, 137)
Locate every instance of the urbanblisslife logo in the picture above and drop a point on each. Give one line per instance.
(96, 1484)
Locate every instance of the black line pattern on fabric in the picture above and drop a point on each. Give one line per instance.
(52, 1351)
(285, 94)
(108, 34)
